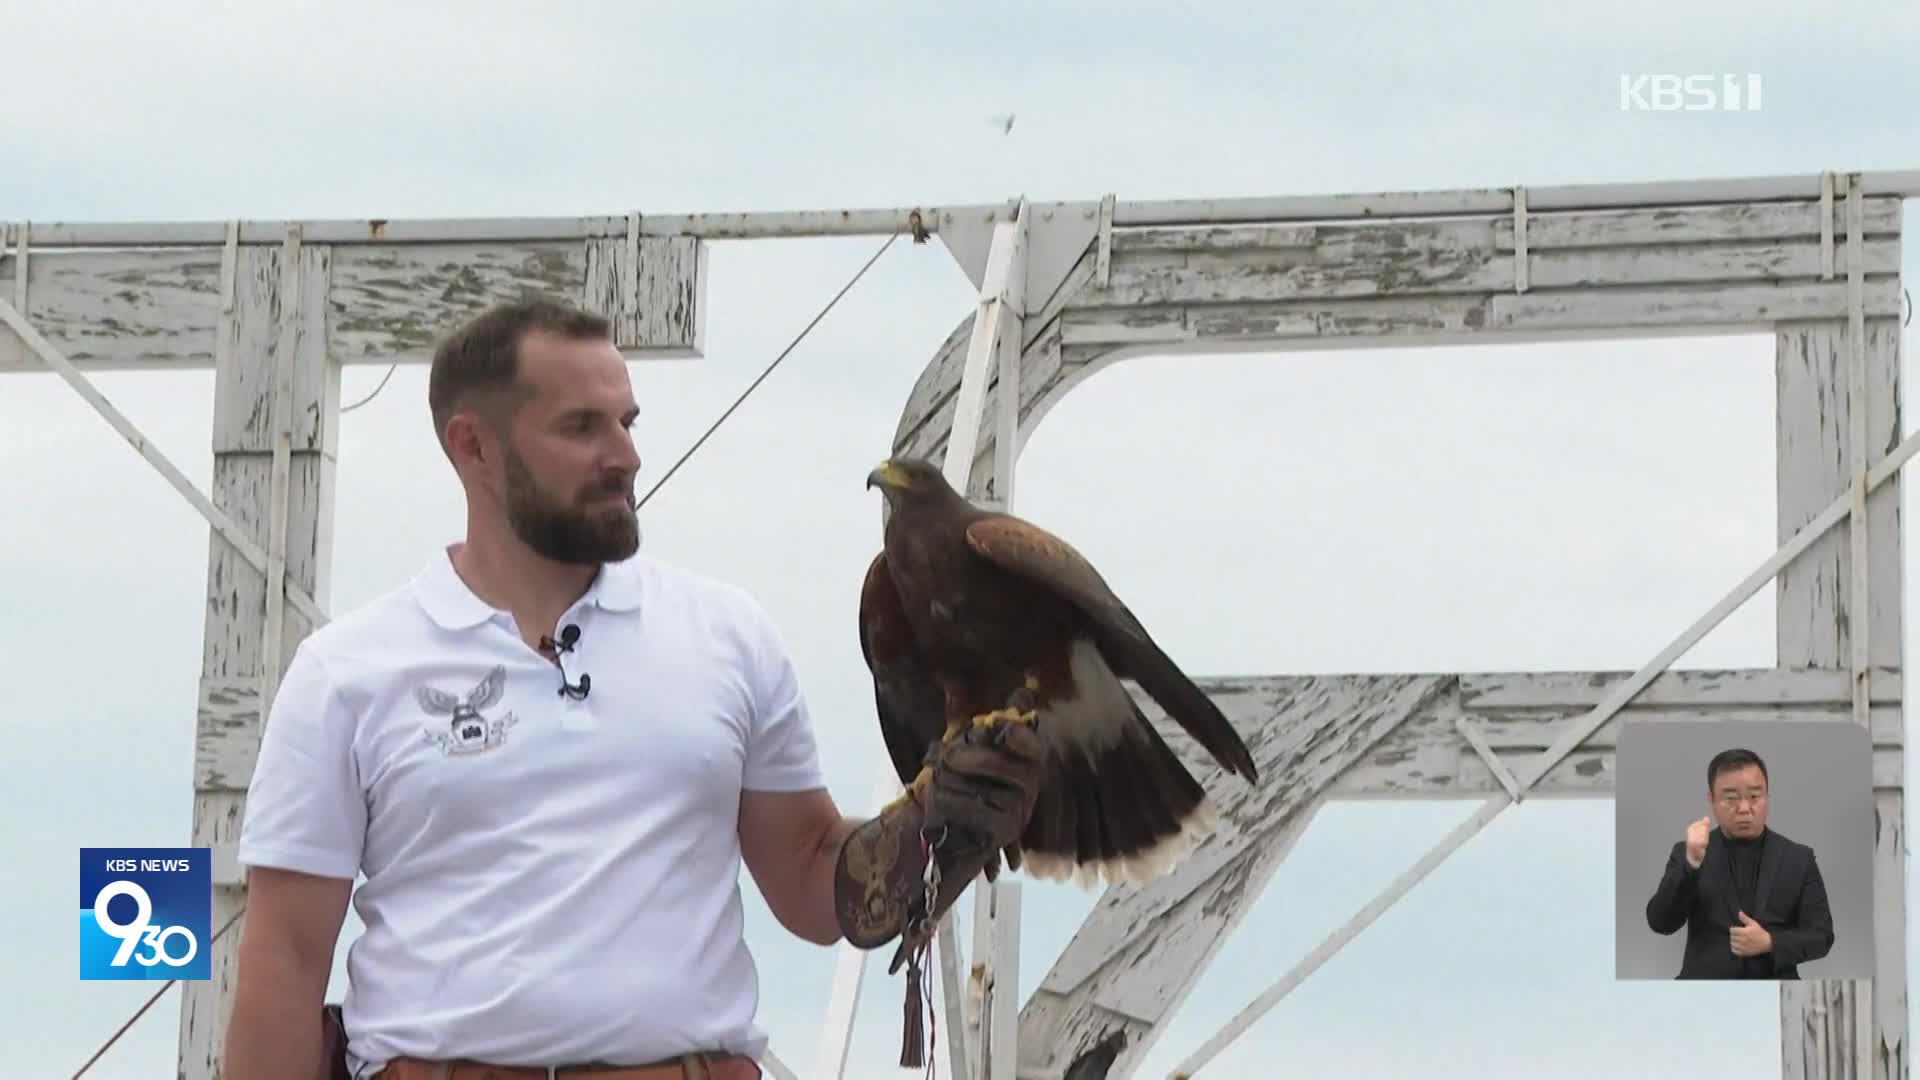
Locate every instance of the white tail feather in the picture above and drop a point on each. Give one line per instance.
(1140, 868)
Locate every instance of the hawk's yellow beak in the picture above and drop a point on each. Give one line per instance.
(887, 475)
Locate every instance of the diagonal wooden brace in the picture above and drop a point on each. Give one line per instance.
(1470, 731)
(1578, 733)
(220, 522)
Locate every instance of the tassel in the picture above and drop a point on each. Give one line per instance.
(913, 1038)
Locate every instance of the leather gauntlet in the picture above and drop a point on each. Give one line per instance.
(898, 873)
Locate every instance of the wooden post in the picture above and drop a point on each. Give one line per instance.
(1852, 1029)
(272, 336)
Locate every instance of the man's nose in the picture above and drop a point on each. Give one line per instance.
(624, 455)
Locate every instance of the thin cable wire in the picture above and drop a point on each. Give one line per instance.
(763, 375)
(141, 1011)
(115, 1037)
(376, 390)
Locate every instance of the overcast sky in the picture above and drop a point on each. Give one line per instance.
(1518, 508)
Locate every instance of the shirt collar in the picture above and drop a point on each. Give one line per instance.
(447, 599)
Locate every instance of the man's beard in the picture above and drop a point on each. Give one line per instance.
(569, 534)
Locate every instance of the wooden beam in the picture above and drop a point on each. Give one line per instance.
(862, 221)
(158, 309)
(271, 284)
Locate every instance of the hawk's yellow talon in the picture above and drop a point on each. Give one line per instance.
(1006, 716)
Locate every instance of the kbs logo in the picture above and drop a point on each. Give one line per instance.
(1689, 93)
(145, 913)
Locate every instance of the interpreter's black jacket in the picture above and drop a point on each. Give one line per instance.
(1790, 895)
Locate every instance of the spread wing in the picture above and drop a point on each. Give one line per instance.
(438, 702)
(488, 691)
(1036, 555)
(910, 702)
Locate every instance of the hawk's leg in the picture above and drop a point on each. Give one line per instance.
(1020, 708)
(958, 709)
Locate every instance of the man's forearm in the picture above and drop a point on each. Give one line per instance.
(275, 1032)
(819, 924)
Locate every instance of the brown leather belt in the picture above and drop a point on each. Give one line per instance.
(686, 1067)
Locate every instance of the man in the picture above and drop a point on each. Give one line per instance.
(1752, 901)
(550, 756)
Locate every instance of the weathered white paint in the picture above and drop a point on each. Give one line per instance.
(1860, 634)
(278, 315)
(109, 310)
(1899, 183)
(1845, 1028)
(226, 733)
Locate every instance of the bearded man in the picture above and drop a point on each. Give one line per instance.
(549, 755)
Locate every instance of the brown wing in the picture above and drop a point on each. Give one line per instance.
(907, 698)
(1037, 555)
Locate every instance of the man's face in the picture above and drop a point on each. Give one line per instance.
(569, 462)
(1740, 801)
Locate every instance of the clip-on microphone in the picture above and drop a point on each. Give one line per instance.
(569, 635)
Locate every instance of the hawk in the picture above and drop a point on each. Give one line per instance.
(974, 617)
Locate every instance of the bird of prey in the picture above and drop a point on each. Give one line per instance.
(965, 611)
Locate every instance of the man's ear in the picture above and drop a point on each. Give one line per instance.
(468, 440)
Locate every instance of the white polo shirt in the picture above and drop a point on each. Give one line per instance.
(548, 880)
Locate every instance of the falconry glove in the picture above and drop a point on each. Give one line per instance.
(899, 873)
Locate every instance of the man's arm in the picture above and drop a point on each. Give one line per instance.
(286, 954)
(1810, 935)
(301, 840)
(1672, 900)
(790, 841)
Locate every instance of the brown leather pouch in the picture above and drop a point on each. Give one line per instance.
(333, 1042)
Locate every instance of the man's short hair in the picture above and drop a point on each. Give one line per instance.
(476, 365)
(1735, 758)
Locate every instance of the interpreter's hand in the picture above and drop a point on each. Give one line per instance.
(1749, 938)
(1697, 841)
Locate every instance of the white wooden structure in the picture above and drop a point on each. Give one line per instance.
(277, 308)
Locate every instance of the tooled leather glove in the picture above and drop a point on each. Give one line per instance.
(984, 787)
(977, 800)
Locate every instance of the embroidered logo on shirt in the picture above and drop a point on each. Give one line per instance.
(468, 730)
